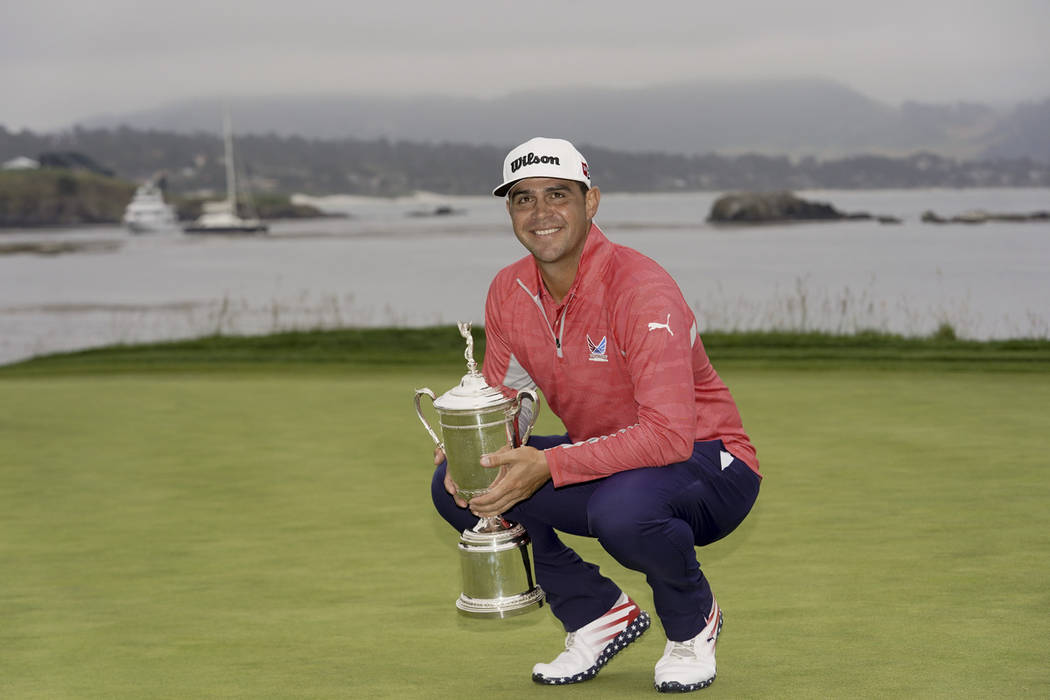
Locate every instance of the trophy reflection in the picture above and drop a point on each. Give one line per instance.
(476, 419)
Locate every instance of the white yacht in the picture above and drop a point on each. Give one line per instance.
(221, 216)
(148, 212)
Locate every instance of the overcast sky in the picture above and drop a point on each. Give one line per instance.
(60, 61)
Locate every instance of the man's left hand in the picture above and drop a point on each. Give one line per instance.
(523, 471)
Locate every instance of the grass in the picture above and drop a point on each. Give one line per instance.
(259, 526)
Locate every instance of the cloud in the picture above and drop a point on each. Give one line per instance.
(66, 60)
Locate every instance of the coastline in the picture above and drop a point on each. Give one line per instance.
(48, 198)
(383, 267)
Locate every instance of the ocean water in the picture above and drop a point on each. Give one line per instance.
(389, 265)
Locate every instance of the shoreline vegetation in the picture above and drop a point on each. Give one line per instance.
(774, 207)
(371, 349)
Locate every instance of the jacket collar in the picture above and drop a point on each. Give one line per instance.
(597, 252)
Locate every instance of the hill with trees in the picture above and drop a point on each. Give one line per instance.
(192, 165)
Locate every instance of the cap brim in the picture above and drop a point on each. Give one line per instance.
(503, 189)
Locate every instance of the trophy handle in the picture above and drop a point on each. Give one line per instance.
(423, 420)
(531, 396)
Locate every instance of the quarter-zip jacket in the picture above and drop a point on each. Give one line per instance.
(619, 361)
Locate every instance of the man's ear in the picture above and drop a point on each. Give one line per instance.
(591, 200)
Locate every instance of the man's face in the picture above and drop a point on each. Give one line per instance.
(551, 217)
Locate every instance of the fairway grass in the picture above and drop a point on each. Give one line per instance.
(269, 534)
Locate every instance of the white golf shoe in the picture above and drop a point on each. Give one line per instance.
(593, 645)
(690, 665)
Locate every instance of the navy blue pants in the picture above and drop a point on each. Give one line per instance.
(648, 519)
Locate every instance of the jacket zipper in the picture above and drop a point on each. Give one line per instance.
(561, 319)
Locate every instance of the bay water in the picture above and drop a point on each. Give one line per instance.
(395, 262)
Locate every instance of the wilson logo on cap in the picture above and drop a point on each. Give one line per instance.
(533, 159)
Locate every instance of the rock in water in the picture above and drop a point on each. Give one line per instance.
(760, 207)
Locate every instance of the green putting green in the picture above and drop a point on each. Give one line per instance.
(268, 534)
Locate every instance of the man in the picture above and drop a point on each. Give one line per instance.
(655, 461)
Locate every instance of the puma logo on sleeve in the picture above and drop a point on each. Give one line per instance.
(653, 325)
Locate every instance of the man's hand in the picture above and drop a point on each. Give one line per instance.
(522, 472)
(450, 485)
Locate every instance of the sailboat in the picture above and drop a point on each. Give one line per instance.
(221, 217)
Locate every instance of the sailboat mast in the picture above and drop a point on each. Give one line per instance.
(231, 179)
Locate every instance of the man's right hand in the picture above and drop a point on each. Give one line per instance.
(450, 485)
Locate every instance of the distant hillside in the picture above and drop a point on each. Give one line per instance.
(817, 118)
(1025, 131)
(192, 165)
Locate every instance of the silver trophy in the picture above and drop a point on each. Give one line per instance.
(477, 419)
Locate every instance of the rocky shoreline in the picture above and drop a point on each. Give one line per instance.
(58, 247)
(48, 197)
(772, 207)
(54, 197)
(778, 207)
(980, 217)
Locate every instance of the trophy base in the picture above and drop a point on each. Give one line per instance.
(497, 573)
(500, 607)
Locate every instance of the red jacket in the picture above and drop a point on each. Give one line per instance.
(619, 361)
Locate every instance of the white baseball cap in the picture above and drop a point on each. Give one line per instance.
(543, 157)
